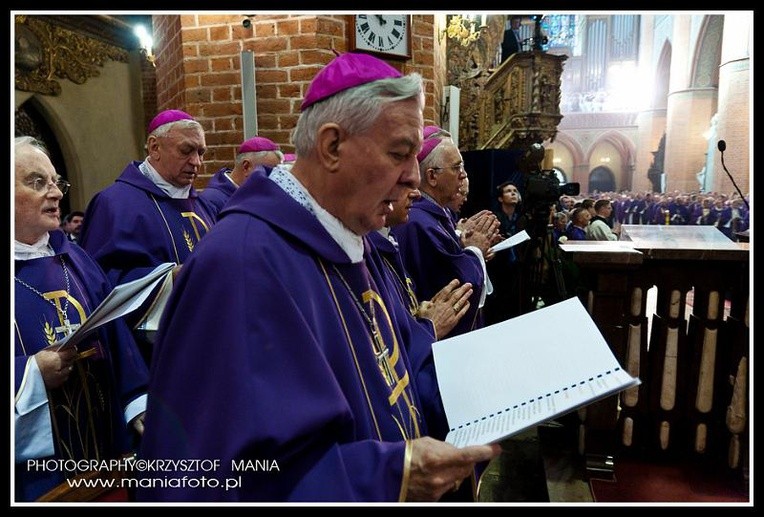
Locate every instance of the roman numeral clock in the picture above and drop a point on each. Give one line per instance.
(385, 35)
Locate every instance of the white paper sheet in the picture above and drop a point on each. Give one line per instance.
(507, 243)
(508, 377)
(122, 300)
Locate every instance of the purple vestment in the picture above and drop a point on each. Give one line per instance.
(217, 191)
(263, 355)
(132, 226)
(88, 409)
(433, 257)
(418, 336)
(391, 258)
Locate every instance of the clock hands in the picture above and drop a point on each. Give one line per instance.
(385, 34)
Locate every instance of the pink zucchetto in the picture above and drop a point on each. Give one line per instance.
(346, 71)
(166, 117)
(289, 157)
(258, 143)
(429, 143)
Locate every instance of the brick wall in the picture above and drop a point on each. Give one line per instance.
(424, 59)
(734, 127)
(169, 54)
(198, 70)
(148, 90)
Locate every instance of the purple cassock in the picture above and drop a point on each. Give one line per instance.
(88, 410)
(265, 361)
(132, 226)
(220, 188)
(433, 256)
(389, 252)
(419, 335)
(621, 207)
(218, 191)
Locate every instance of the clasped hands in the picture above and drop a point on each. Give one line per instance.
(482, 231)
(447, 307)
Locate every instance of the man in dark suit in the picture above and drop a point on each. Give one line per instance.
(71, 224)
(512, 42)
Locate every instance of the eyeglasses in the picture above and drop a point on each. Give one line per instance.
(43, 184)
(459, 168)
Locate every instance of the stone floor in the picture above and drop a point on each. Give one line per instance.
(537, 466)
(517, 475)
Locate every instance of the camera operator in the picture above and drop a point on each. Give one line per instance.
(541, 192)
(504, 270)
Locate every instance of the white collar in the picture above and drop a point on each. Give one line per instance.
(41, 248)
(350, 242)
(168, 188)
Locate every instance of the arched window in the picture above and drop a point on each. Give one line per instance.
(601, 179)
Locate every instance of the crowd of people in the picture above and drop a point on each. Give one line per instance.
(295, 349)
(299, 327)
(607, 211)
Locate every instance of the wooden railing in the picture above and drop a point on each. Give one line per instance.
(694, 398)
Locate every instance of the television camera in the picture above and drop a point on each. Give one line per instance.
(541, 190)
(542, 187)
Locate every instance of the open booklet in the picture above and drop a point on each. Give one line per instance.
(509, 242)
(503, 379)
(122, 300)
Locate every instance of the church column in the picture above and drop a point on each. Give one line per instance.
(580, 174)
(734, 97)
(651, 121)
(691, 104)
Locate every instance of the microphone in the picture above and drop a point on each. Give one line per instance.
(722, 146)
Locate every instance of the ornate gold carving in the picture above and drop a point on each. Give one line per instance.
(515, 104)
(44, 52)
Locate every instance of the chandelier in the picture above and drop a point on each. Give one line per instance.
(464, 29)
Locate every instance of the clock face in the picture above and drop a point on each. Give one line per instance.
(383, 33)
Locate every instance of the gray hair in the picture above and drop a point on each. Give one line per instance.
(256, 155)
(180, 124)
(354, 109)
(433, 159)
(21, 141)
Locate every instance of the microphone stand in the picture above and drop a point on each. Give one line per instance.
(721, 153)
